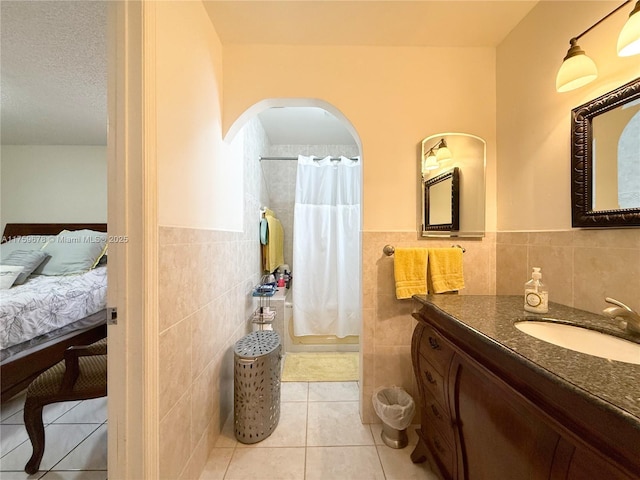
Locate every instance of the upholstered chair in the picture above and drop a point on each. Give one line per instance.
(80, 376)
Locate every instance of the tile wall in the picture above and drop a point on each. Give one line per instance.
(580, 267)
(387, 322)
(205, 283)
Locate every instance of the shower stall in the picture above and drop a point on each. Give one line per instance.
(343, 276)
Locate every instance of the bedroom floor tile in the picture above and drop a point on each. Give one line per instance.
(12, 406)
(87, 411)
(90, 454)
(59, 441)
(75, 437)
(10, 437)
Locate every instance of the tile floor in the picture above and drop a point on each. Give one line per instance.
(319, 437)
(75, 441)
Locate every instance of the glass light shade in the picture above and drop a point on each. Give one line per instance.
(430, 163)
(443, 154)
(629, 38)
(576, 71)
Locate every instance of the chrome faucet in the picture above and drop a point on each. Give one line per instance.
(630, 319)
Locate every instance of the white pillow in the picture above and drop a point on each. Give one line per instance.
(8, 275)
(73, 252)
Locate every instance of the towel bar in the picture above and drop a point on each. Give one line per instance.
(389, 250)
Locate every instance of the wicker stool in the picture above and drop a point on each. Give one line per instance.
(80, 376)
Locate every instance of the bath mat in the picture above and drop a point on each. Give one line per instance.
(320, 367)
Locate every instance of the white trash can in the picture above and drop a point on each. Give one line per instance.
(396, 408)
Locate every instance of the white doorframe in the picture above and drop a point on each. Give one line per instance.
(132, 227)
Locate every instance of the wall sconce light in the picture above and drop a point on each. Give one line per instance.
(435, 155)
(443, 154)
(430, 162)
(629, 38)
(578, 69)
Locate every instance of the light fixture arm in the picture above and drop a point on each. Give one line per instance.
(440, 144)
(577, 37)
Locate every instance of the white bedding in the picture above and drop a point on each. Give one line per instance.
(44, 303)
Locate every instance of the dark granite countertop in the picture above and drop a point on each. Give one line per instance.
(614, 385)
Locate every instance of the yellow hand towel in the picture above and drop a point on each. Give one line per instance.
(273, 252)
(410, 271)
(445, 270)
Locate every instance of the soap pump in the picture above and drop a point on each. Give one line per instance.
(536, 295)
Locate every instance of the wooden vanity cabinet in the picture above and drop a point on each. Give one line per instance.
(475, 426)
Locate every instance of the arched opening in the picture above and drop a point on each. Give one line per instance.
(272, 134)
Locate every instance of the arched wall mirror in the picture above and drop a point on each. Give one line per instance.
(452, 185)
(605, 159)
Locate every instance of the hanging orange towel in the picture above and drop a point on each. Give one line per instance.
(410, 271)
(445, 270)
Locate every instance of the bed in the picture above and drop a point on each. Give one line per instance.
(28, 348)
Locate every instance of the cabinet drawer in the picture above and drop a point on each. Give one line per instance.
(432, 380)
(435, 416)
(441, 450)
(435, 349)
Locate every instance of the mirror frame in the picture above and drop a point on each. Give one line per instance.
(582, 213)
(454, 175)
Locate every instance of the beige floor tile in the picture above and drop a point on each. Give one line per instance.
(227, 438)
(291, 430)
(217, 464)
(336, 423)
(343, 463)
(333, 392)
(266, 464)
(397, 465)
(294, 391)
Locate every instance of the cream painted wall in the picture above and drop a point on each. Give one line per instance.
(53, 183)
(199, 176)
(394, 97)
(533, 120)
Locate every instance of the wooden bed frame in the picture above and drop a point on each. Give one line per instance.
(17, 371)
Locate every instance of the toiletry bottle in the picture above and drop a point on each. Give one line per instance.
(536, 295)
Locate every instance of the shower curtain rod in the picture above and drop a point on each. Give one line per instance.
(296, 158)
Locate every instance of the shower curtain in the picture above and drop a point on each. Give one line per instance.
(326, 247)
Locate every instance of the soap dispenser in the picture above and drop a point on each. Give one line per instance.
(536, 295)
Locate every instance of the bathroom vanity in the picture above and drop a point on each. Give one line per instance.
(497, 403)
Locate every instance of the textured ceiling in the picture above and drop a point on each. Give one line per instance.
(53, 72)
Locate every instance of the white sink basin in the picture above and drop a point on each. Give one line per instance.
(582, 340)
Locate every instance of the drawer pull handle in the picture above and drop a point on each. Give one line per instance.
(430, 377)
(435, 411)
(438, 446)
(433, 342)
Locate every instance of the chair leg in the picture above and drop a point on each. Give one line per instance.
(35, 429)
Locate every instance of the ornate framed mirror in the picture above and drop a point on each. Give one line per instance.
(439, 154)
(605, 159)
(441, 211)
